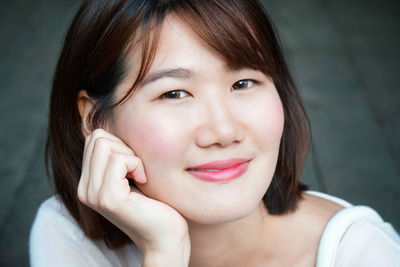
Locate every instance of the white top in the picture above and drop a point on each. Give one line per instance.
(354, 236)
(357, 236)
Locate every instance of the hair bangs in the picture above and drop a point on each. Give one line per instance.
(233, 31)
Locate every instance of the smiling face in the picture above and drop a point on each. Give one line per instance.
(193, 110)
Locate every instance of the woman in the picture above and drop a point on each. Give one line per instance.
(177, 138)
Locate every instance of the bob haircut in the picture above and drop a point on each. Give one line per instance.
(99, 39)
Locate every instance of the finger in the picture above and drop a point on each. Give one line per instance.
(91, 141)
(98, 146)
(99, 132)
(86, 158)
(103, 149)
(83, 180)
(138, 174)
(115, 184)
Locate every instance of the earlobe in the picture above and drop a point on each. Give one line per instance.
(85, 105)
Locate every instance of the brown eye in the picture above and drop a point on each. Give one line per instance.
(244, 84)
(175, 94)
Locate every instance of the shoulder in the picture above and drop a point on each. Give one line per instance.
(357, 236)
(311, 217)
(53, 221)
(56, 239)
(368, 241)
(316, 210)
(345, 235)
(50, 218)
(53, 208)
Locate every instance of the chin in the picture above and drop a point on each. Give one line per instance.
(219, 213)
(217, 219)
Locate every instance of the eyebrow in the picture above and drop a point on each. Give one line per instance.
(178, 73)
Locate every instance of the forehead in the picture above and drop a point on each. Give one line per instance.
(177, 46)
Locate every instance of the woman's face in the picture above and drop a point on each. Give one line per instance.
(193, 110)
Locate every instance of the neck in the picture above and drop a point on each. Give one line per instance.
(233, 243)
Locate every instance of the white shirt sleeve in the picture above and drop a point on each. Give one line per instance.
(371, 244)
(57, 240)
(358, 237)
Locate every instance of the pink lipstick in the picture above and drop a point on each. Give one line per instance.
(220, 171)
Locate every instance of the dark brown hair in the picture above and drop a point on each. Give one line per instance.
(101, 35)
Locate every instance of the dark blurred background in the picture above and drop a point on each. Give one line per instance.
(344, 56)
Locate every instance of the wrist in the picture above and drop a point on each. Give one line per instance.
(174, 255)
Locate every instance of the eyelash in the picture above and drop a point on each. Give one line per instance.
(173, 94)
(246, 81)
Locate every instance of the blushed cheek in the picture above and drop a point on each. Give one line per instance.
(268, 121)
(153, 141)
(276, 118)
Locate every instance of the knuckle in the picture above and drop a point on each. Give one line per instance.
(87, 138)
(137, 160)
(116, 158)
(101, 143)
(91, 201)
(132, 151)
(81, 193)
(82, 196)
(105, 203)
(97, 133)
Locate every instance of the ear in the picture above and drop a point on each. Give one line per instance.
(85, 104)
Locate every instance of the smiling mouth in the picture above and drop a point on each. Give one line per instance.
(206, 170)
(220, 171)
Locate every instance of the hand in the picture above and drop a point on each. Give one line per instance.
(157, 229)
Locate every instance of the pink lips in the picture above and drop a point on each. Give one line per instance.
(220, 171)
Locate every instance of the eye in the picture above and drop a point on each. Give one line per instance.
(244, 84)
(175, 94)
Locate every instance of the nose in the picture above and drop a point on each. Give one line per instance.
(219, 125)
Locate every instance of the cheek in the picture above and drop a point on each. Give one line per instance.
(267, 120)
(275, 119)
(151, 139)
(155, 140)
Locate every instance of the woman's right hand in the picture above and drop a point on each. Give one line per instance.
(159, 231)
